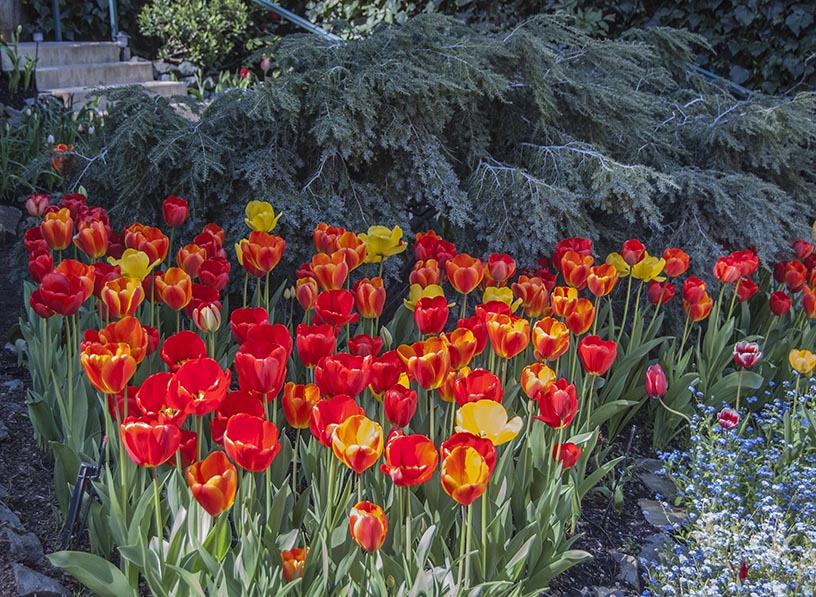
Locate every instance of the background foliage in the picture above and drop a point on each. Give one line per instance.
(503, 140)
(80, 20)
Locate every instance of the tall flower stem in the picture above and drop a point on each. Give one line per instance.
(431, 421)
(483, 546)
(408, 540)
(468, 530)
(674, 412)
(739, 388)
(157, 506)
(360, 487)
(625, 306)
(69, 349)
(462, 549)
(636, 314)
(295, 462)
(246, 283)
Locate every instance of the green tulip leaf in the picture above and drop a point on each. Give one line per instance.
(97, 574)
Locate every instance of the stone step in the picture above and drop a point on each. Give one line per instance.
(58, 53)
(79, 96)
(88, 75)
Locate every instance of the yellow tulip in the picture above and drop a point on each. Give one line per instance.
(802, 361)
(502, 295)
(134, 264)
(381, 243)
(649, 268)
(416, 292)
(616, 261)
(239, 251)
(260, 216)
(487, 418)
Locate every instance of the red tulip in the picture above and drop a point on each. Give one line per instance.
(38, 305)
(385, 372)
(677, 262)
(656, 382)
(780, 303)
(479, 384)
(660, 292)
(251, 442)
(501, 268)
(409, 459)
(368, 526)
(198, 386)
(343, 373)
(558, 405)
(400, 404)
(123, 404)
(431, 314)
(151, 398)
(33, 240)
(582, 246)
(174, 210)
(182, 347)
(242, 320)
(567, 454)
(235, 402)
(149, 443)
(363, 345)
(727, 270)
(633, 251)
(429, 245)
(746, 288)
(62, 294)
(40, 262)
(261, 360)
(214, 272)
(328, 414)
(186, 453)
(425, 273)
(335, 307)
(597, 355)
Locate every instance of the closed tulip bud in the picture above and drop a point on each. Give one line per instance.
(400, 404)
(660, 293)
(35, 204)
(633, 251)
(293, 562)
(175, 288)
(501, 267)
(809, 302)
(260, 216)
(207, 317)
(727, 270)
(386, 370)
(747, 354)
(174, 211)
(40, 262)
(368, 526)
(306, 291)
(92, 239)
(656, 382)
(567, 454)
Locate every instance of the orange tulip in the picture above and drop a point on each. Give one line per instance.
(57, 228)
(597, 355)
(425, 273)
(175, 288)
(122, 296)
(536, 378)
(575, 268)
(213, 482)
(465, 475)
(700, 310)
(330, 271)
(677, 262)
(109, 367)
(128, 331)
(149, 443)
(325, 237)
(461, 346)
(464, 272)
(368, 526)
(509, 335)
(85, 273)
(190, 257)
(501, 268)
(293, 562)
(147, 239)
(580, 316)
(562, 298)
(551, 339)
(534, 296)
(306, 292)
(261, 253)
(353, 249)
(428, 362)
(297, 403)
(369, 294)
(357, 442)
(602, 279)
(409, 459)
(92, 238)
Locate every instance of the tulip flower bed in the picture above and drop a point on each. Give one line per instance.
(453, 444)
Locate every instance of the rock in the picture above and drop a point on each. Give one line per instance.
(25, 548)
(650, 551)
(34, 584)
(650, 465)
(659, 515)
(162, 68)
(165, 77)
(9, 219)
(3, 493)
(187, 69)
(659, 485)
(9, 518)
(138, 59)
(608, 592)
(13, 385)
(188, 81)
(628, 569)
(4, 432)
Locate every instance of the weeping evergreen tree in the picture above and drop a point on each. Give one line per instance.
(500, 142)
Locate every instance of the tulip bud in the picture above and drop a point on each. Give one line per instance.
(368, 526)
(207, 317)
(656, 383)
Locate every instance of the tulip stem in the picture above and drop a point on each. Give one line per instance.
(199, 438)
(431, 422)
(625, 306)
(408, 541)
(674, 412)
(635, 316)
(360, 487)
(595, 319)
(178, 321)
(258, 291)
(483, 546)
(733, 299)
(246, 283)
(468, 529)
(266, 291)
(295, 463)
(739, 387)
(69, 347)
(461, 551)
(686, 330)
(170, 245)
(504, 373)
(157, 505)
(463, 308)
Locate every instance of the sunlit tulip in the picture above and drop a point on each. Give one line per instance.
(121, 297)
(293, 562)
(175, 288)
(297, 402)
(386, 371)
(330, 271)
(127, 330)
(368, 526)
(109, 367)
(535, 379)
(562, 299)
(425, 273)
(186, 453)
(535, 300)
(464, 272)
(487, 418)
(400, 404)
(580, 316)
(602, 279)
(151, 399)
(409, 459)
(382, 242)
(482, 445)
(235, 402)
(343, 373)
(57, 229)
(501, 295)
(575, 268)
(335, 307)
(477, 325)
(260, 216)
(149, 443)
(92, 239)
(174, 211)
(261, 361)
(461, 346)
(261, 253)
(464, 475)
(213, 483)
(134, 264)
(251, 442)
(478, 384)
(428, 362)
(597, 355)
(567, 454)
(551, 339)
(182, 347)
(198, 386)
(558, 405)
(357, 442)
(509, 335)
(328, 414)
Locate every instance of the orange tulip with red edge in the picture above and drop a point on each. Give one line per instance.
(558, 405)
(464, 475)
(580, 316)
(122, 297)
(293, 562)
(149, 443)
(261, 253)
(328, 414)
(175, 288)
(198, 387)
(700, 310)
(597, 355)
(213, 483)
(727, 270)
(428, 362)
(109, 367)
(129, 331)
(297, 403)
(57, 229)
(343, 373)
(501, 267)
(575, 268)
(562, 299)
(425, 273)
(85, 273)
(809, 302)
(182, 347)
(330, 271)
(478, 384)
(532, 291)
(369, 295)
(551, 339)
(602, 279)
(509, 335)
(368, 526)
(306, 291)
(353, 249)
(677, 262)
(251, 442)
(190, 257)
(536, 378)
(409, 459)
(325, 237)
(431, 314)
(151, 398)
(92, 239)
(567, 454)
(147, 239)
(461, 346)
(476, 324)
(482, 445)
(464, 272)
(357, 442)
